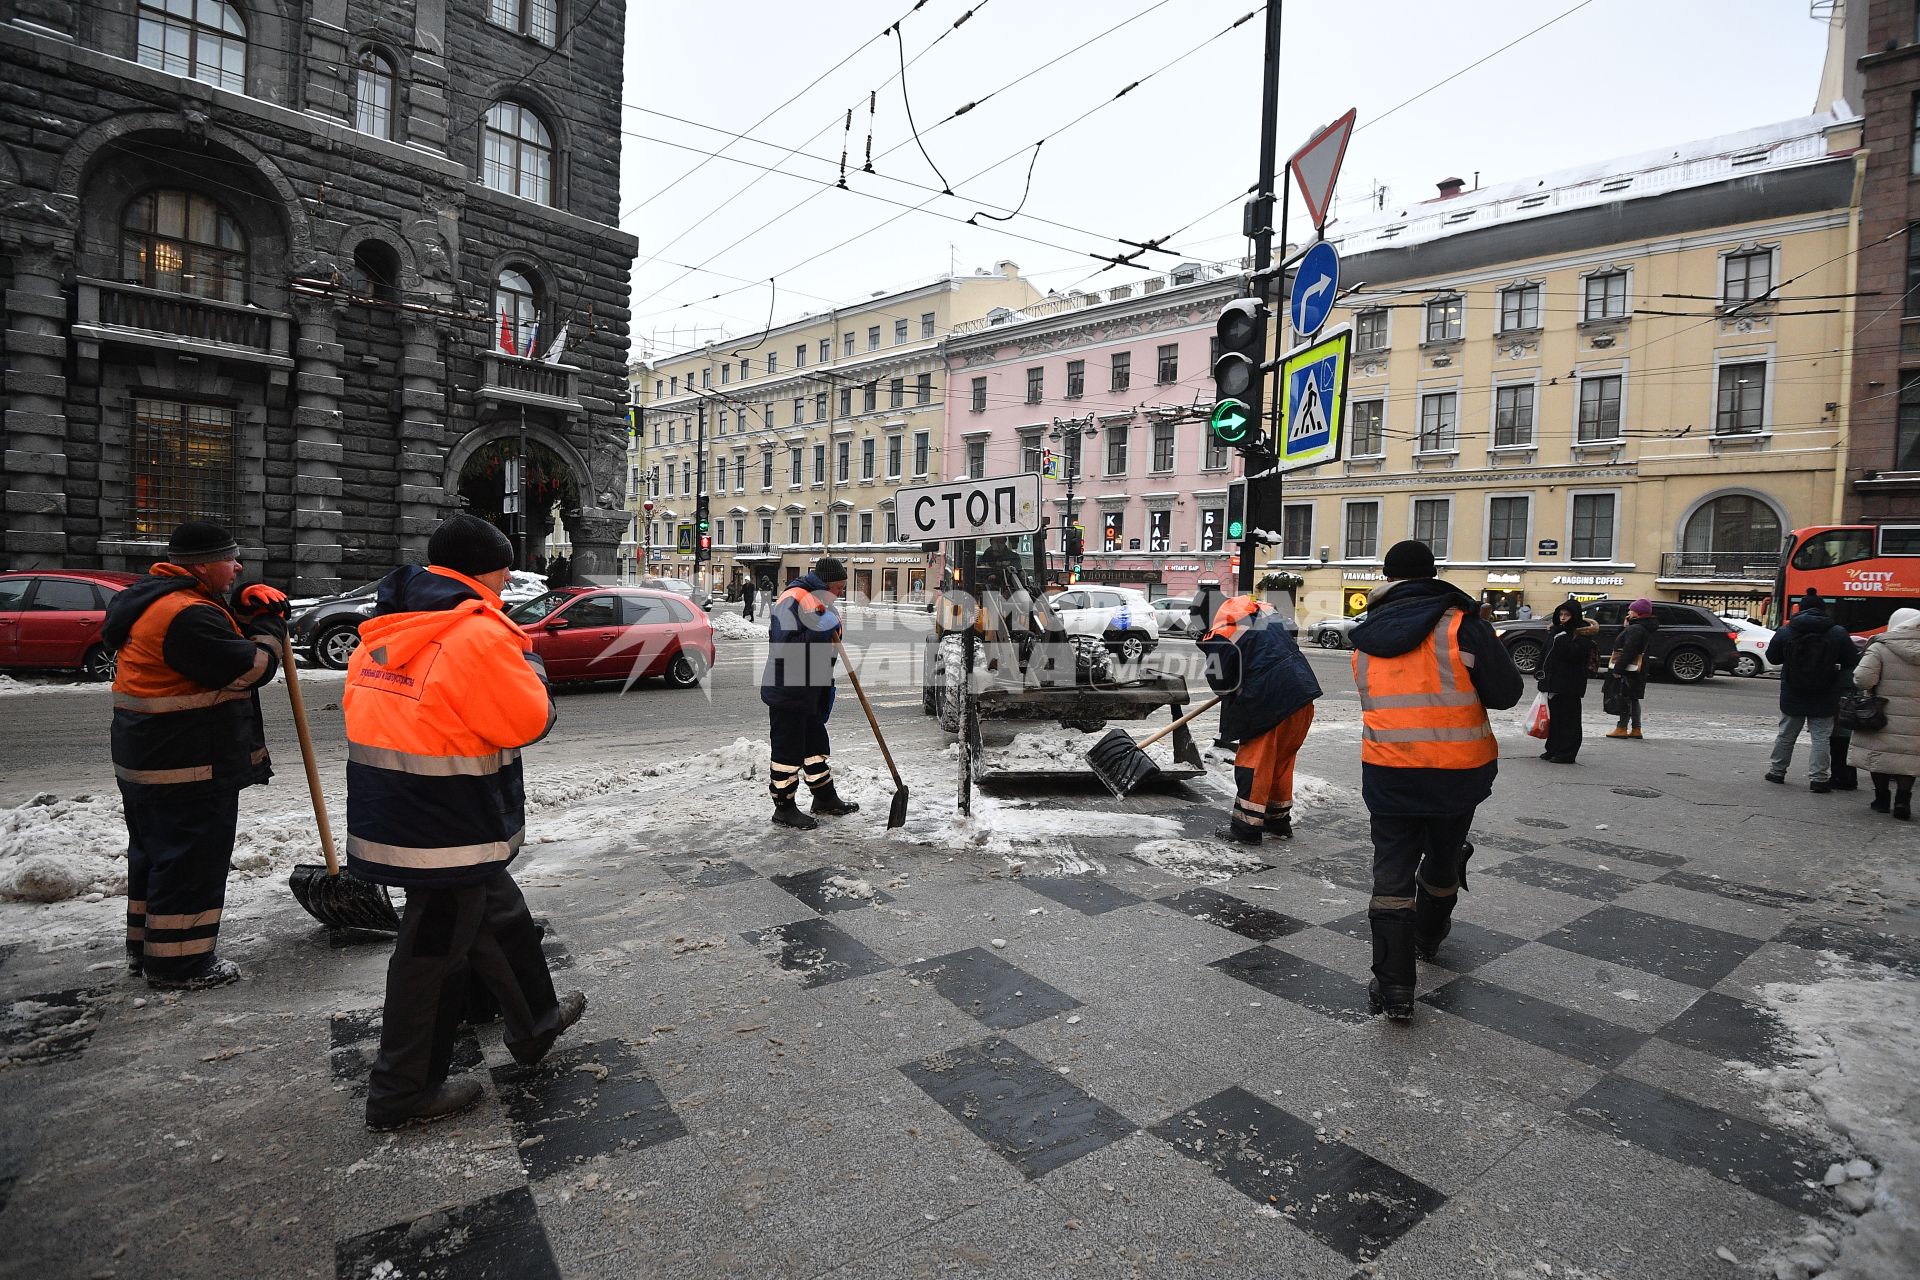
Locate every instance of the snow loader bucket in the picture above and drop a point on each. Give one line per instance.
(1123, 764)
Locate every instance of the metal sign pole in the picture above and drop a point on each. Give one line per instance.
(1263, 239)
(520, 498)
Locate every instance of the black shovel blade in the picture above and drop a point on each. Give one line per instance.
(897, 814)
(344, 901)
(1119, 763)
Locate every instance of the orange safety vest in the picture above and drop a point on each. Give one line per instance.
(1420, 709)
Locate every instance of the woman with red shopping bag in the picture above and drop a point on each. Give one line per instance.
(1563, 679)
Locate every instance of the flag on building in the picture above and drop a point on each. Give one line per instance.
(559, 346)
(506, 333)
(533, 339)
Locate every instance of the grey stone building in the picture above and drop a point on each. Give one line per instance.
(262, 262)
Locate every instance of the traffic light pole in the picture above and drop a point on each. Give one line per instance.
(700, 491)
(1263, 235)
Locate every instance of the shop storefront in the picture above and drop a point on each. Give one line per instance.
(1155, 575)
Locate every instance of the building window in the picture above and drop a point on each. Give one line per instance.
(979, 395)
(869, 397)
(1606, 296)
(1913, 160)
(826, 350)
(846, 345)
(766, 468)
(1513, 417)
(1749, 277)
(1741, 410)
(899, 332)
(819, 407)
(923, 389)
(1163, 446)
(535, 19)
(1367, 424)
(706, 378)
(1599, 409)
(773, 361)
(184, 466)
(515, 303)
(1520, 307)
(183, 242)
(1169, 370)
(1363, 531)
(794, 476)
(926, 324)
(1113, 530)
(1072, 452)
(1439, 422)
(726, 374)
(846, 401)
(1030, 451)
(873, 337)
(793, 529)
(1213, 454)
(1431, 518)
(799, 411)
(203, 40)
(1296, 531)
(867, 449)
(740, 476)
(675, 384)
(1593, 526)
(819, 530)
(921, 446)
(893, 526)
(1370, 330)
(1446, 319)
(373, 83)
(516, 153)
(1734, 524)
(1906, 443)
(1122, 369)
(842, 461)
(1117, 451)
(1076, 379)
(766, 529)
(896, 393)
(1159, 531)
(866, 527)
(976, 459)
(800, 356)
(1507, 528)
(893, 457)
(1036, 381)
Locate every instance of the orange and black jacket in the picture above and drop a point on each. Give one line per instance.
(1257, 668)
(179, 731)
(441, 695)
(801, 629)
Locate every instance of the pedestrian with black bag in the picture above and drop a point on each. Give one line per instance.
(1887, 713)
(1627, 670)
(1814, 654)
(1564, 670)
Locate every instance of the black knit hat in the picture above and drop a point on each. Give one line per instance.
(467, 544)
(199, 542)
(1409, 559)
(828, 569)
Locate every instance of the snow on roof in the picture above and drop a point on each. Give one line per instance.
(1788, 144)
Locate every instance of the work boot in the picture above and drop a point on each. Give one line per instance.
(1780, 778)
(1617, 732)
(1393, 969)
(1395, 1002)
(828, 804)
(437, 1102)
(1433, 921)
(529, 1052)
(787, 814)
(1280, 824)
(1237, 834)
(217, 974)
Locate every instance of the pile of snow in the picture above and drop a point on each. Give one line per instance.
(1065, 750)
(1208, 861)
(728, 625)
(53, 850)
(743, 760)
(13, 686)
(1856, 1038)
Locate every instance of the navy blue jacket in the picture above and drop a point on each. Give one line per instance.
(800, 659)
(1815, 693)
(1262, 673)
(1400, 617)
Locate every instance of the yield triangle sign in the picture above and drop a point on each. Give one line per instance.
(1316, 166)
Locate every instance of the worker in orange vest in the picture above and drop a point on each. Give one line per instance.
(1267, 692)
(1427, 668)
(187, 739)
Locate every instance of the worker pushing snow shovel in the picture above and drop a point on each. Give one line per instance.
(1267, 692)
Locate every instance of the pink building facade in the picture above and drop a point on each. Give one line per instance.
(1117, 385)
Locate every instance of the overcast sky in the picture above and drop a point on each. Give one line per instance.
(1611, 78)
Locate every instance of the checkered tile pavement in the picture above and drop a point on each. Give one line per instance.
(1122, 1029)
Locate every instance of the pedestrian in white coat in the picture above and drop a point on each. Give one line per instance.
(1890, 669)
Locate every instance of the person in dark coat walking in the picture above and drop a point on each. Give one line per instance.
(1563, 678)
(1268, 691)
(1629, 666)
(1814, 654)
(797, 686)
(1427, 668)
(749, 592)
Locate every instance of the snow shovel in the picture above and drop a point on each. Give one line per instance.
(897, 815)
(1124, 764)
(329, 894)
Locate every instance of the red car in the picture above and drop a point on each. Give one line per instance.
(618, 633)
(50, 619)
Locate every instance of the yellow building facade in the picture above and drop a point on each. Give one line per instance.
(800, 436)
(1625, 381)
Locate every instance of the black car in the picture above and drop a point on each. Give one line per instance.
(1690, 645)
(328, 631)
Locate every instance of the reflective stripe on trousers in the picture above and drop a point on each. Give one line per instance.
(442, 858)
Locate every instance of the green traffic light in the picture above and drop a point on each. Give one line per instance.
(1230, 421)
(1236, 530)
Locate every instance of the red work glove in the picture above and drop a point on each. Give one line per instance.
(260, 599)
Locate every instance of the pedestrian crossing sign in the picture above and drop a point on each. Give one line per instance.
(1313, 382)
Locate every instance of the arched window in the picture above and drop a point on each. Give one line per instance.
(204, 39)
(373, 82)
(1733, 523)
(516, 153)
(183, 242)
(515, 303)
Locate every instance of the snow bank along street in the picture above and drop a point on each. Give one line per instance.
(1672, 1033)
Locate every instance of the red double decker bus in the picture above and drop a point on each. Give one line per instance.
(1864, 571)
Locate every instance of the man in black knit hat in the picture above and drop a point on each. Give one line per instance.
(187, 738)
(797, 687)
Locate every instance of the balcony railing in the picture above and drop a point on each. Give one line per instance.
(108, 311)
(524, 381)
(1720, 566)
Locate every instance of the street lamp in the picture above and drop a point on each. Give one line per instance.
(1074, 431)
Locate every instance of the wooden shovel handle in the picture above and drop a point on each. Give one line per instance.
(306, 756)
(868, 708)
(1188, 718)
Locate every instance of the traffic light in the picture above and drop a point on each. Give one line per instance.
(706, 543)
(1236, 511)
(1238, 375)
(1076, 540)
(700, 521)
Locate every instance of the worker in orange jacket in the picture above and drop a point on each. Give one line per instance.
(187, 739)
(1267, 692)
(1427, 667)
(441, 695)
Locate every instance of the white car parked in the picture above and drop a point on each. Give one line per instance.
(1120, 617)
(1173, 615)
(1750, 642)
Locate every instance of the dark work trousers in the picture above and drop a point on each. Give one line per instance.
(448, 937)
(178, 854)
(1843, 776)
(1563, 726)
(1416, 878)
(799, 748)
